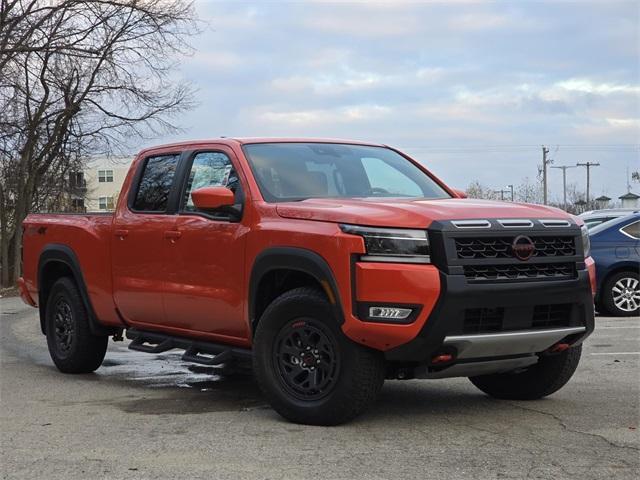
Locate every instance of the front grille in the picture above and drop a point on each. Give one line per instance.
(552, 315)
(500, 247)
(483, 320)
(522, 271)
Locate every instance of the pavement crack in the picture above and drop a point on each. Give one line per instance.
(565, 427)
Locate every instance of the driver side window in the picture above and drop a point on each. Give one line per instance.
(209, 169)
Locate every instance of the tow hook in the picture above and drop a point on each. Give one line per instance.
(559, 347)
(117, 337)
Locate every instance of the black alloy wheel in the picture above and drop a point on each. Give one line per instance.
(64, 327)
(306, 358)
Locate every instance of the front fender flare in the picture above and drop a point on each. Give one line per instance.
(293, 258)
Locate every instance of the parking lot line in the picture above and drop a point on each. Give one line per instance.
(615, 353)
(620, 326)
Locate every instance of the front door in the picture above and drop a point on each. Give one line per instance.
(204, 286)
(139, 248)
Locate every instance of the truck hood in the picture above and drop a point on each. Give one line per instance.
(410, 213)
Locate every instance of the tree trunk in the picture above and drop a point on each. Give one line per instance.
(4, 242)
(4, 258)
(23, 204)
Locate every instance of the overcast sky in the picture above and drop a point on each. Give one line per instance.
(471, 89)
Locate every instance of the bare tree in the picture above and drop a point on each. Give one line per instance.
(477, 190)
(529, 191)
(80, 77)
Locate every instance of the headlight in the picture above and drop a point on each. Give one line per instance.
(392, 244)
(586, 243)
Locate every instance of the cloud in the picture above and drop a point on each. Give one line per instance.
(587, 86)
(464, 76)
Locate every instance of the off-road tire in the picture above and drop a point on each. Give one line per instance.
(547, 376)
(72, 346)
(357, 380)
(606, 299)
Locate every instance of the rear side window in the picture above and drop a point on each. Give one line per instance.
(632, 230)
(155, 184)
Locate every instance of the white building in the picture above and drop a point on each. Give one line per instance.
(104, 178)
(629, 200)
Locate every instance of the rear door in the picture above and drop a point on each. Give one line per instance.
(139, 247)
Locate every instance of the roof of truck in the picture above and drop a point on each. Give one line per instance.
(249, 140)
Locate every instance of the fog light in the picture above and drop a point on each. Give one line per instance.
(389, 313)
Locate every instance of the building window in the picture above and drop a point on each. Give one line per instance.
(105, 203)
(77, 205)
(76, 180)
(105, 176)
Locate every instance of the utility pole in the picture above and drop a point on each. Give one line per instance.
(511, 188)
(502, 192)
(588, 166)
(545, 162)
(564, 182)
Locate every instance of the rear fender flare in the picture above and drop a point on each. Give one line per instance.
(58, 253)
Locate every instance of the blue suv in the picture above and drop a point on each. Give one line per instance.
(615, 247)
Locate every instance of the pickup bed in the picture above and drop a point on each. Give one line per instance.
(331, 265)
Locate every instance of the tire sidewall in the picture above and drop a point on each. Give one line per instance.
(61, 291)
(87, 351)
(277, 316)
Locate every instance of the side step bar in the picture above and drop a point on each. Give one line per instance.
(196, 351)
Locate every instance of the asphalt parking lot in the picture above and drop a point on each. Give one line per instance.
(153, 417)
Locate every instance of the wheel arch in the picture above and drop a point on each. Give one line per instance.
(56, 261)
(301, 267)
(626, 266)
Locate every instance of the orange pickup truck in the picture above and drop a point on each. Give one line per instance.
(331, 265)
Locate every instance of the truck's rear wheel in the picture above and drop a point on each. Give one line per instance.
(547, 376)
(72, 346)
(309, 371)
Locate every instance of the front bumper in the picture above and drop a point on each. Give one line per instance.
(447, 328)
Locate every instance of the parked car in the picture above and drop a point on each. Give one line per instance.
(332, 265)
(593, 218)
(615, 247)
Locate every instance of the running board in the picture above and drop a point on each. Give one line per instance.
(205, 353)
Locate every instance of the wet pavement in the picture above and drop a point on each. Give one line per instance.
(144, 416)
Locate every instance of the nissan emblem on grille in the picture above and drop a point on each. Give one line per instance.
(523, 247)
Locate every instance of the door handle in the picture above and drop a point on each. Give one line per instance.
(172, 234)
(121, 233)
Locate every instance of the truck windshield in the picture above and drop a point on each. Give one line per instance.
(297, 171)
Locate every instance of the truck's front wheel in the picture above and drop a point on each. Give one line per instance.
(547, 376)
(72, 346)
(309, 371)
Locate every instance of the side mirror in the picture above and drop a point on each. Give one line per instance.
(459, 193)
(210, 198)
